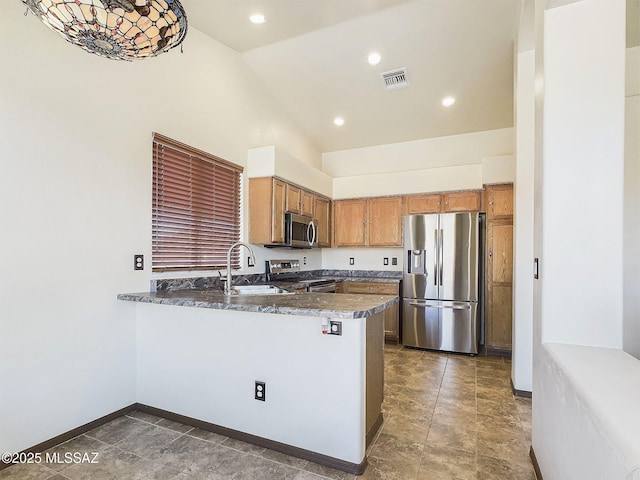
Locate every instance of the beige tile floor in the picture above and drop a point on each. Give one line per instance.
(447, 417)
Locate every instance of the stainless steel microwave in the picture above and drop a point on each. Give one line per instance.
(300, 231)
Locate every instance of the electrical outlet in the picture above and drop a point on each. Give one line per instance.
(304, 260)
(138, 262)
(352, 261)
(250, 262)
(335, 327)
(385, 261)
(260, 391)
(394, 260)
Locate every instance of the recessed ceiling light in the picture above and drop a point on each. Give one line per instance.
(448, 101)
(374, 58)
(339, 121)
(257, 18)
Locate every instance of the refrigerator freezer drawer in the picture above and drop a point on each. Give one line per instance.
(438, 325)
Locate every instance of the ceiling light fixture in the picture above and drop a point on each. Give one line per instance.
(257, 18)
(374, 58)
(448, 101)
(117, 29)
(339, 121)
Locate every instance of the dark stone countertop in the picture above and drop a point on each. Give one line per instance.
(306, 304)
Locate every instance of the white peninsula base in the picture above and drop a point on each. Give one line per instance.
(323, 392)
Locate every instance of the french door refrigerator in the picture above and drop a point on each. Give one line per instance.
(441, 281)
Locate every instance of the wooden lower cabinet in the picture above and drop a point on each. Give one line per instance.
(499, 286)
(391, 314)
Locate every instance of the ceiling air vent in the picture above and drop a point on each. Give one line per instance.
(395, 78)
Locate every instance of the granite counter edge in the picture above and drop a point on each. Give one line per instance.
(150, 298)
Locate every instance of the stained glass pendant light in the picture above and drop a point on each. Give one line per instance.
(118, 29)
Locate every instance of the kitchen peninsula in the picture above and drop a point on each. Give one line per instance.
(200, 354)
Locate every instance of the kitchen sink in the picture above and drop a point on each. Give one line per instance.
(259, 290)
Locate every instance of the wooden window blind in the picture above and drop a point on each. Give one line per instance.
(196, 208)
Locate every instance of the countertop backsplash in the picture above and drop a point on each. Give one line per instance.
(217, 282)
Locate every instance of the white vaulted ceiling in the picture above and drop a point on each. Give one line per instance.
(312, 55)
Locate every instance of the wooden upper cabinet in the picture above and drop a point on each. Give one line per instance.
(461, 202)
(499, 201)
(350, 222)
(415, 204)
(299, 201)
(293, 198)
(307, 203)
(385, 219)
(364, 222)
(270, 198)
(267, 197)
(468, 201)
(323, 216)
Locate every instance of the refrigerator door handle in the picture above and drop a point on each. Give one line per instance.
(441, 250)
(436, 257)
(451, 307)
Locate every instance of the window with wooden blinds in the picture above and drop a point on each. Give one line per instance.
(196, 208)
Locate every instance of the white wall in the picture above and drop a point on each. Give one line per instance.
(581, 264)
(522, 365)
(466, 149)
(75, 192)
(579, 185)
(632, 205)
(364, 258)
(500, 169)
(460, 177)
(457, 162)
(272, 161)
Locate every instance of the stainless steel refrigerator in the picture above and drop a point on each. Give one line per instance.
(441, 282)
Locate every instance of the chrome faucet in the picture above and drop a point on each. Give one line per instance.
(228, 288)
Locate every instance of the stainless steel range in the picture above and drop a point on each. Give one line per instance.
(289, 271)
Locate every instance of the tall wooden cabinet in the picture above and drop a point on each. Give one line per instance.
(267, 203)
(499, 273)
